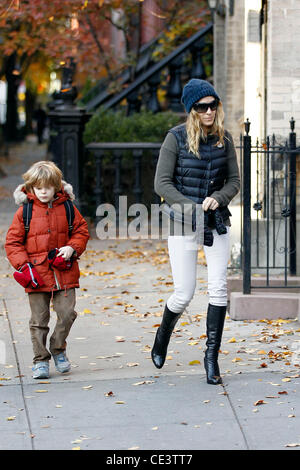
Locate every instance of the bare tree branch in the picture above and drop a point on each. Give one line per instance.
(100, 47)
(120, 28)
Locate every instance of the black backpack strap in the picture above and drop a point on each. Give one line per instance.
(27, 214)
(70, 213)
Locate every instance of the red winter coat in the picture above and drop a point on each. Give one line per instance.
(48, 230)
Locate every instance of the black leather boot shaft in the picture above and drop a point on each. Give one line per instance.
(214, 330)
(162, 338)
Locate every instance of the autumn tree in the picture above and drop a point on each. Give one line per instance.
(52, 32)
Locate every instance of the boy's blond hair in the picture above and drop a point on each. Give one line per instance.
(43, 173)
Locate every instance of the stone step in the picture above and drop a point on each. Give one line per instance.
(264, 305)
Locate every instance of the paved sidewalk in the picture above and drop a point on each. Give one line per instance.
(114, 398)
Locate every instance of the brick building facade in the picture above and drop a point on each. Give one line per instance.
(256, 65)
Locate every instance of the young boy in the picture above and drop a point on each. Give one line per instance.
(45, 258)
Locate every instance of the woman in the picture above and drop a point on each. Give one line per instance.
(198, 165)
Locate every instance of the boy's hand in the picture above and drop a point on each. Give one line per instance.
(66, 252)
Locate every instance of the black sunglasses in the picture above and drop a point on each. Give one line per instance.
(203, 107)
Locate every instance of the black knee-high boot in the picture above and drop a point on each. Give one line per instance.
(162, 338)
(214, 329)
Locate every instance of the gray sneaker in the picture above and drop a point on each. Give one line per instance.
(62, 363)
(41, 370)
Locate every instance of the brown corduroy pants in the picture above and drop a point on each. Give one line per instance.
(63, 305)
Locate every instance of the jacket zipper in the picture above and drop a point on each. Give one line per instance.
(56, 281)
(55, 277)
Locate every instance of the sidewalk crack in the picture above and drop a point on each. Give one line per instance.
(19, 374)
(236, 416)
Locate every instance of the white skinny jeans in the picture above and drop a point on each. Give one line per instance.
(183, 254)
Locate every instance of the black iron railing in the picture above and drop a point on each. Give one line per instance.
(100, 92)
(269, 241)
(110, 178)
(144, 89)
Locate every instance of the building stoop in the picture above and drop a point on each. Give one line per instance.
(235, 284)
(267, 305)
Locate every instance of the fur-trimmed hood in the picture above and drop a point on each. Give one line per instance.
(20, 195)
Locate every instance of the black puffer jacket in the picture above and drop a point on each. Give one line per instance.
(197, 178)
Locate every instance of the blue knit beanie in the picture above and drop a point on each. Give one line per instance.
(196, 89)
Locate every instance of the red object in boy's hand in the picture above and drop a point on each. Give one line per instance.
(58, 262)
(28, 276)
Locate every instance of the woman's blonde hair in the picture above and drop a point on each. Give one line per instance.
(195, 131)
(43, 173)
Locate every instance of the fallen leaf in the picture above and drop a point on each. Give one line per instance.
(87, 387)
(232, 340)
(120, 339)
(144, 382)
(41, 391)
(192, 363)
(10, 418)
(260, 402)
(109, 357)
(87, 310)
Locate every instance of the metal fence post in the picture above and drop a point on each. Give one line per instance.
(293, 224)
(246, 260)
(67, 123)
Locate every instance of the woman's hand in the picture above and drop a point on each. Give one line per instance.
(209, 203)
(66, 252)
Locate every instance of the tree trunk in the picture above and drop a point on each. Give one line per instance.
(13, 81)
